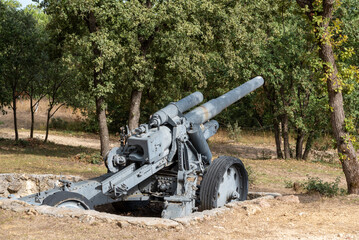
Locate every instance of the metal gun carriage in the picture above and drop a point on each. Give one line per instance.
(167, 161)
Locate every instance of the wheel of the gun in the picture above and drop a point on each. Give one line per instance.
(68, 200)
(226, 180)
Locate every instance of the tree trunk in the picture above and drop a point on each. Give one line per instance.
(277, 138)
(285, 135)
(136, 94)
(32, 118)
(100, 100)
(299, 144)
(346, 151)
(47, 124)
(308, 146)
(14, 108)
(102, 122)
(135, 113)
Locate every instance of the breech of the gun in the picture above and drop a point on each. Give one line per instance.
(213, 107)
(174, 109)
(123, 181)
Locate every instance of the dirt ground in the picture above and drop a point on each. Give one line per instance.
(314, 217)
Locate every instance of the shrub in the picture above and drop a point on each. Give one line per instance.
(251, 174)
(88, 125)
(234, 131)
(22, 143)
(288, 184)
(94, 158)
(329, 189)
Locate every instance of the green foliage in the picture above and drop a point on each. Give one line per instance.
(91, 124)
(288, 184)
(22, 143)
(11, 3)
(93, 158)
(328, 189)
(251, 174)
(234, 131)
(18, 51)
(88, 125)
(59, 124)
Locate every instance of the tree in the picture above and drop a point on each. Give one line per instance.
(37, 87)
(190, 45)
(322, 19)
(85, 32)
(18, 40)
(60, 90)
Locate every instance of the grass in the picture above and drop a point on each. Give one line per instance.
(59, 132)
(273, 174)
(247, 137)
(65, 133)
(50, 158)
(266, 174)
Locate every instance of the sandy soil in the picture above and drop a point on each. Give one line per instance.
(313, 218)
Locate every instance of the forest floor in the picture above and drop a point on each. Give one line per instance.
(313, 217)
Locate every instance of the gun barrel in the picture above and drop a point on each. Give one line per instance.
(189, 102)
(213, 107)
(173, 109)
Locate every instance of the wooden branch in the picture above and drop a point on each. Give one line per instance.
(57, 109)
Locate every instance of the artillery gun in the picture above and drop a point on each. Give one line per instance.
(167, 161)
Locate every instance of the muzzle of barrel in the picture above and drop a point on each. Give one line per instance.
(213, 107)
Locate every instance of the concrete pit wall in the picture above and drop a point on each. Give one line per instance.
(21, 185)
(24, 184)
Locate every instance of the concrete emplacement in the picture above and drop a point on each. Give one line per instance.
(19, 185)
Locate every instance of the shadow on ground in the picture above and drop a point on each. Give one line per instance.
(37, 147)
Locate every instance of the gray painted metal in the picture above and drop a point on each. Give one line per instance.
(213, 107)
(162, 160)
(174, 109)
(189, 102)
(210, 128)
(229, 187)
(199, 142)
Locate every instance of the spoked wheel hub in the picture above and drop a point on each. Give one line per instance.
(229, 187)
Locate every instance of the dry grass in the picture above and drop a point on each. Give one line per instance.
(268, 174)
(50, 158)
(24, 116)
(246, 137)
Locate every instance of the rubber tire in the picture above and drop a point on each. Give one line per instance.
(63, 196)
(213, 177)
